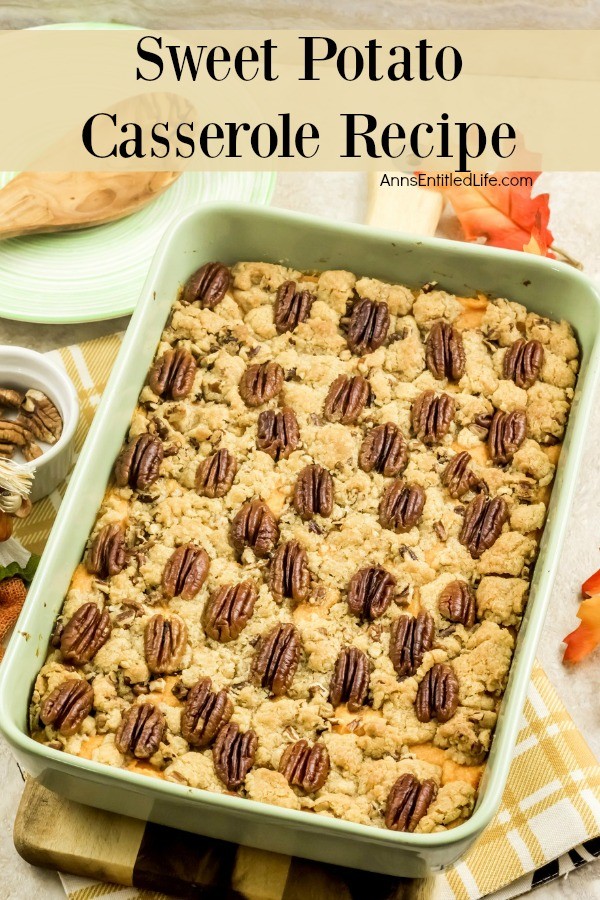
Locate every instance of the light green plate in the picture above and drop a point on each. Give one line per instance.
(84, 276)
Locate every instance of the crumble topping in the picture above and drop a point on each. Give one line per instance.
(387, 730)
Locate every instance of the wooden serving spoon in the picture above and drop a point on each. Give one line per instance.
(36, 202)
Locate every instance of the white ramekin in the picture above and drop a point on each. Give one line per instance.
(24, 369)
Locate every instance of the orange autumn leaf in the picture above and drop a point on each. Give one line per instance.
(504, 216)
(586, 637)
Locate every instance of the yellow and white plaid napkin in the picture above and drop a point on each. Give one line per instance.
(549, 822)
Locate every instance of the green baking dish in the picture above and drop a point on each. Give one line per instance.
(229, 233)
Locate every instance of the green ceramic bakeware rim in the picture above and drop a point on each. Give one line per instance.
(230, 232)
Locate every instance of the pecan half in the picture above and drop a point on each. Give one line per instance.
(255, 526)
(507, 433)
(215, 474)
(431, 416)
(14, 433)
(384, 450)
(233, 755)
(10, 398)
(401, 506)
(173, 374)
(458, 476)
(457, 603)
(411, 637)
(523, 362)
(482, 524)
(207, 285)
(164, 644)
(204, 713)
(278, 433)
(437, 694)
(185, 572)
(138, 464)
(370, 592)
(276, 659)
(408, 801)
(444, 352)
(260, 383)
(289, 575)
(369, 325)
(65, 708)
(313, 492)
(31, 451)
(107, 555)
(291, 307)
(304, 766)
(87, 630)
(346, 399)
(350, 680)
(41, 417)
(229, 610)
(141, 730)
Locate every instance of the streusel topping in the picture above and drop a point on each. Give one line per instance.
(307, 575)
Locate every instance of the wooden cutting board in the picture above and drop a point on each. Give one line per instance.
(59, 834)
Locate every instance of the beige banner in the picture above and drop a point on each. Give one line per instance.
(342, 100)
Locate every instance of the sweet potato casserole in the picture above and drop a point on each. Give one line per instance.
(307, 575)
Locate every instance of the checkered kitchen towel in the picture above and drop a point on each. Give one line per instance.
(549, 822)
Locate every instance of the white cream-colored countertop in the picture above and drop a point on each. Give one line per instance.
(576, 225)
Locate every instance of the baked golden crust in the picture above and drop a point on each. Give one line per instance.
(369, 749)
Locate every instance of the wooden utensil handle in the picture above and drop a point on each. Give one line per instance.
(403, 208)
